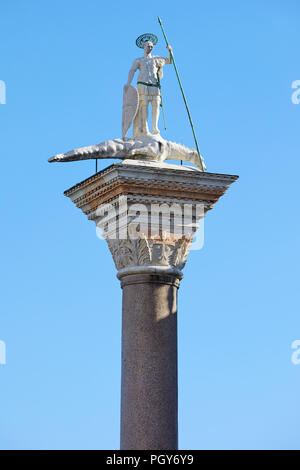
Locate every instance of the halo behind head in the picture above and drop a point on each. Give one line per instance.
(146, 37)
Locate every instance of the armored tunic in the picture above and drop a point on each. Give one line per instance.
(150, 68)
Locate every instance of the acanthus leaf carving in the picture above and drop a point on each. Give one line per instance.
(161, 250)
(129, 252)
(181, 252)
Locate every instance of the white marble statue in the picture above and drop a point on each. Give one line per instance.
(148, 85)
(143, 145)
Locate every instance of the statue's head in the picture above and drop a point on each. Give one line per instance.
(147, 42)
(148, 47)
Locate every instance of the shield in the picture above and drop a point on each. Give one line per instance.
(130, 108)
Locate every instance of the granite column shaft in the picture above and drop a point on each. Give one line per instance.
(149, 402)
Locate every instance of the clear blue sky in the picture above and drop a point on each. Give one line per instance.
(64, 64)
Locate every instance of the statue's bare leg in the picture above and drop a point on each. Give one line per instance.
(144, 115)
(155, 114)
(137, 123)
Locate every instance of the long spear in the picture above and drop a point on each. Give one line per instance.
(183, 95)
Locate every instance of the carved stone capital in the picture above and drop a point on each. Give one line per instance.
(164, 252)
(149, 212)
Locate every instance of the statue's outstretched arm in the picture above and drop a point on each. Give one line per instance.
(169, 59)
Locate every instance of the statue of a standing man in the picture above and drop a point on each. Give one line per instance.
(151, 73)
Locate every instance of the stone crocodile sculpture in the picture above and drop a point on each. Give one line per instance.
(152, 147)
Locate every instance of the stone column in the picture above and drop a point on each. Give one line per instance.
(149, 361)
(149, 401)
(149, 213)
